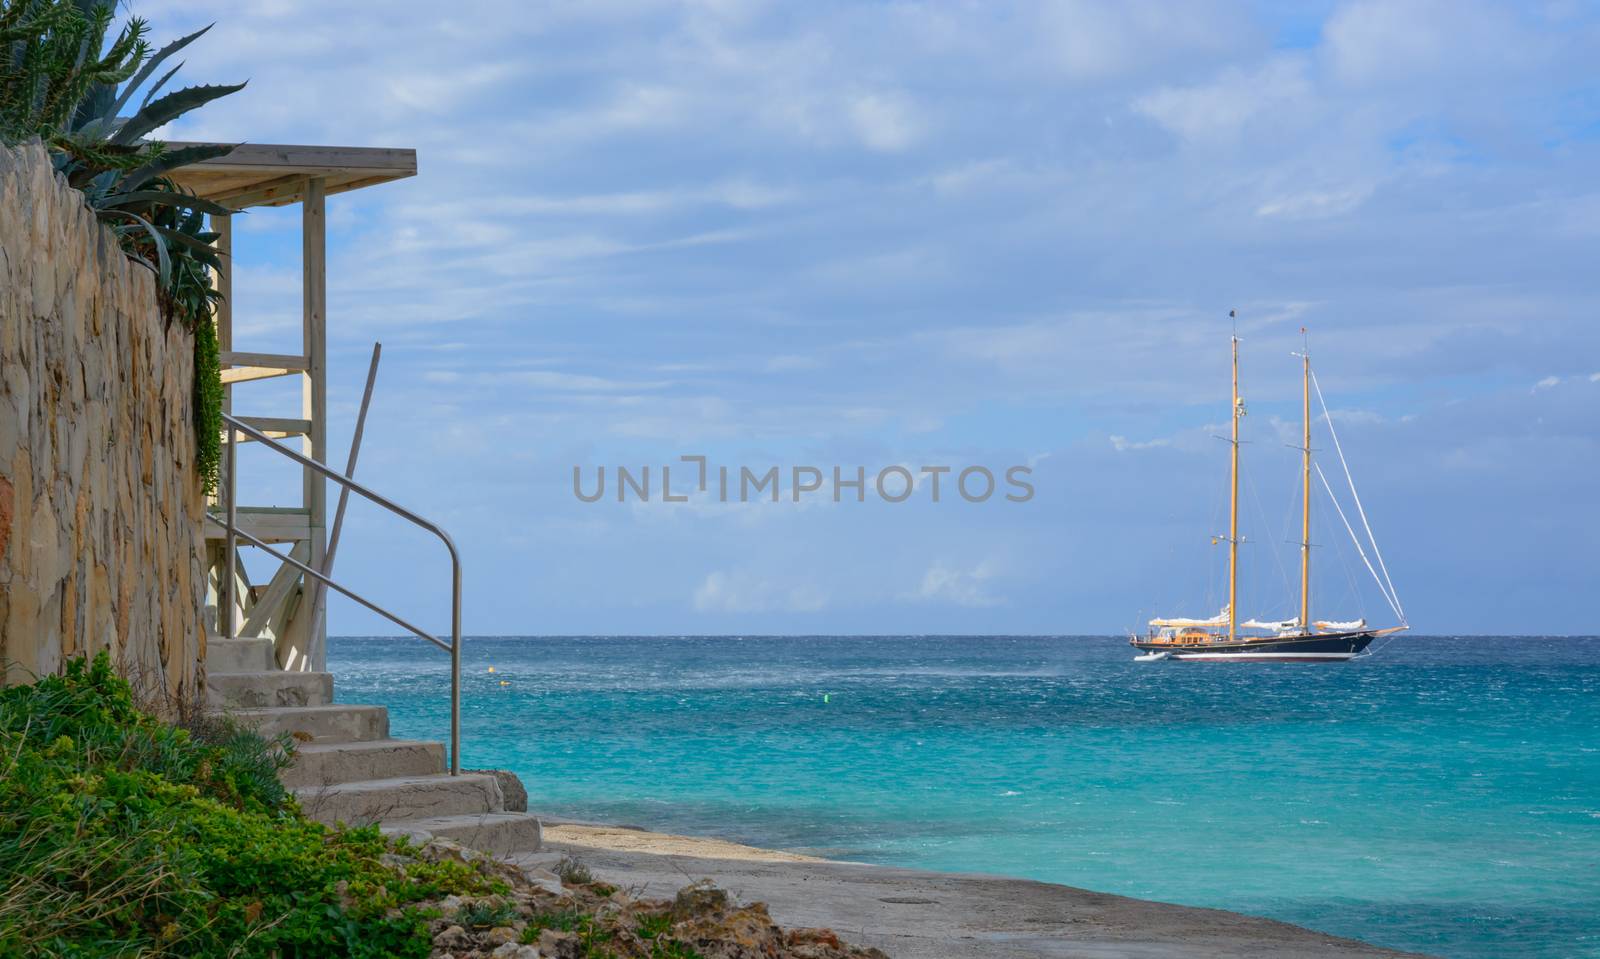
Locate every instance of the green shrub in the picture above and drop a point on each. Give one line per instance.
(123, 836)
(573, 872)
(86, 718)
(591, 932)
(485, 914)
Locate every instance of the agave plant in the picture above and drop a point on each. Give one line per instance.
(61, 82)
(56, 84)
(123, 175)
(50, 59)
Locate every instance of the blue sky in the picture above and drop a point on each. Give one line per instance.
(869, 234)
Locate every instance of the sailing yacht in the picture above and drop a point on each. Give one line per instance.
(1223, 637)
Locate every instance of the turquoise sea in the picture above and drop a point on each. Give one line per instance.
(1442, 795)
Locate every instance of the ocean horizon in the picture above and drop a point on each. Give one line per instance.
(1442, 795)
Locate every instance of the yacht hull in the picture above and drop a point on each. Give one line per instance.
(1318, 648)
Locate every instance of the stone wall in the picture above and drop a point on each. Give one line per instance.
(100, 505)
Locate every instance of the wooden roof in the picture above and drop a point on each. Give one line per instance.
(267, 174)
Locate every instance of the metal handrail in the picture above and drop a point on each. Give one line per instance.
(231, 527)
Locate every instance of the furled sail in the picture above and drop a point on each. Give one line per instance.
(1341, 627)
(1221, 619)
(1276, 627)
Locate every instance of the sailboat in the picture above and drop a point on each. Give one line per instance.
(1223, 637)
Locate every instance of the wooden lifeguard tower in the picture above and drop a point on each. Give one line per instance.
(265, 652)
(286, 607)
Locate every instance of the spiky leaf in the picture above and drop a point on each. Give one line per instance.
(170, 160)
(171, 198)
(168, 108)
(150, 67)
(140, 223)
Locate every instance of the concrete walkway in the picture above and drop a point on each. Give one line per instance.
(927, 915)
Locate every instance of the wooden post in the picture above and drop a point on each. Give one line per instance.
(314, 393)
(227, 603)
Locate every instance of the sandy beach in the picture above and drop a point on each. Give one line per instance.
(928, 915)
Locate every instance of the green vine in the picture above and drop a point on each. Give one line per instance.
(207, 405)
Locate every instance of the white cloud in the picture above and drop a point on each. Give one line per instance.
(742, 592)
(887, 123)
(944, 583)
(791, 362)
(633, 108)
(435, 91)
(975, 175)
(1356, 417)
(736, 194)
(1315, 203)
(1089, 40)
(577, 382)
(1220, 110)
(1121, 444)
(1372, 42)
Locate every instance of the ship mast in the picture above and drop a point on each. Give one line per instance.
(1305, 489)
(1233, 507)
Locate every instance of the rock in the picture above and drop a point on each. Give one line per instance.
(441, 850)
(513, 794)
(559, 945)
(746, 933)
(544, 879)
(699, 899)
(803, 937)
(707, 922)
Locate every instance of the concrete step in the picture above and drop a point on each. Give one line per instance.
(272, 687)
(239, 655)
(323, 724)
(401, 797)
(325, 764)
(496, 833)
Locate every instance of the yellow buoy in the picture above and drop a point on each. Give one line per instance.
(491, 669)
